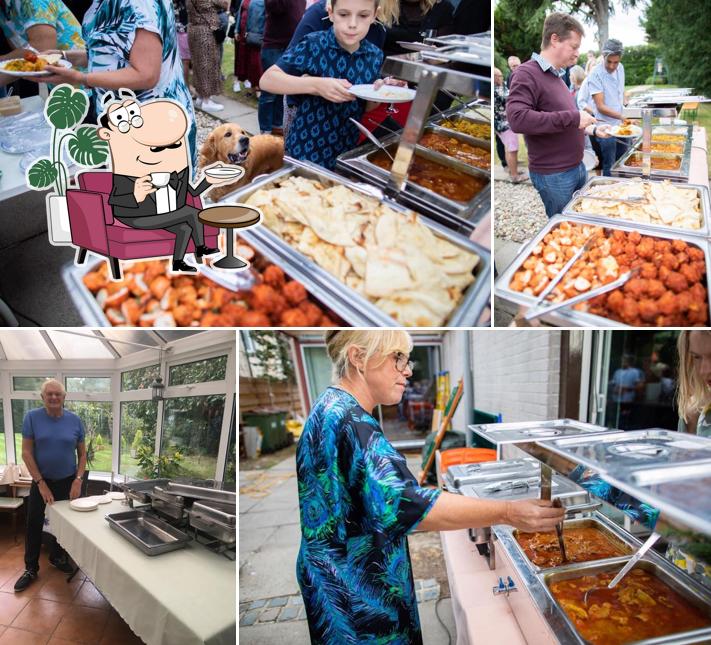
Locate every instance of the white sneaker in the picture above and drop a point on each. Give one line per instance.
(208, 105)
(247, 85)
(197, 102)
(237, 87)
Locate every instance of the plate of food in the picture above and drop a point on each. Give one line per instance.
(625, 130)
(225, 172)
(32, 64)
(384, 94)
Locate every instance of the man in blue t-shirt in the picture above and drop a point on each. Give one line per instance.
(52, 444)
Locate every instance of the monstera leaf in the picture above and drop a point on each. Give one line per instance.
(86, 148)
(42, 174)
(66, 107)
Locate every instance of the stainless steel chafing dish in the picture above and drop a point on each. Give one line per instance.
(504, 434)
(571, 317)
(621, 167)
(461, 216)
(216, 519)
(488, 471)
(141, 491)
(191, 491)
(167, 504)
(595, 182)
(150, 534)
(455, 115)
(343, 300)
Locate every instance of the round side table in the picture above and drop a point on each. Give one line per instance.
(231, 217)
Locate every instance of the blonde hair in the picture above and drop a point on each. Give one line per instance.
(51, 381)
(692, 393)
(577, 74)
(373, 343)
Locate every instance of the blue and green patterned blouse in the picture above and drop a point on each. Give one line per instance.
(17, 16)
(358, 502)
(110, 30)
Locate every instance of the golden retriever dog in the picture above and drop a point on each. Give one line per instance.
(258, 155)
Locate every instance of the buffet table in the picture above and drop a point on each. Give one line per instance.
(185, 597)
(698, 168)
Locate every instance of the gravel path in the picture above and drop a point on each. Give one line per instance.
(518, 211)
(205, 125)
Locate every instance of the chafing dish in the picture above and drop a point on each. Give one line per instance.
(343, 300)
(140, 491)
(459, 136)
(457, 39)
(456, 115)
(217, 519)
(517, 486)
(150, 534)
(594, 182)
(570, 317)
(621, 167)
(460, 216)
(191, 491)
(488, 471)
(167, 504)
(501, 434)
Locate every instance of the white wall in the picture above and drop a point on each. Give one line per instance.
(453, 359)
(516, 373)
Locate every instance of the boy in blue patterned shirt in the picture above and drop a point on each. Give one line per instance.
(321, 68)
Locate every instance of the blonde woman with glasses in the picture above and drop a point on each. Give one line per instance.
(694, 390)
(359, 501)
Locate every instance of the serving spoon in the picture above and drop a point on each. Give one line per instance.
(371, 137)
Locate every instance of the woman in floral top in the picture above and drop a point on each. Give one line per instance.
(501, 126)
(359, 501)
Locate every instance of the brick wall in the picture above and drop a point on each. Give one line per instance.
(516, 373)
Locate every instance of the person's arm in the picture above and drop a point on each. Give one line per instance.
(142, 72)
(28, 456)
(452, 512)
(81, 467)
(525, 119)
(599, 98)
(40, 36)
(277, 81)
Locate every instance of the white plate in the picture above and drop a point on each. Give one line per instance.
(84, 504)
(225, 172)
(386, 93)
(101, 499)
(636, 131)
(61, 63)
(116, 494)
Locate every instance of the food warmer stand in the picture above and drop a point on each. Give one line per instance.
(504, 596)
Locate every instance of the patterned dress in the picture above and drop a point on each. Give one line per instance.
(204, 50)
(358, 501)
(17, 16)
(110, 30)
(321, 130)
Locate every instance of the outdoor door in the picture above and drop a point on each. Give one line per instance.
(634, 379)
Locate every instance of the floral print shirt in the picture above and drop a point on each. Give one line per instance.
(110, 30)
(358, 502)
(501, 93)
(17, 16)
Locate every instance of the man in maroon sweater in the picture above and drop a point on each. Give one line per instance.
(541, 107)
(280, 20)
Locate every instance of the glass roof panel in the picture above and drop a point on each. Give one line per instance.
(25, 345)
(170, 335)
(73, 346)
(131, 336)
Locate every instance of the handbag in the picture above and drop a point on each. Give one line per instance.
(220, 33)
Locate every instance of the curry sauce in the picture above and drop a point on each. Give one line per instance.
(465, 152)
(658, 163)
(641, 606)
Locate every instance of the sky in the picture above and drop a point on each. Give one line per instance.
(623, 26)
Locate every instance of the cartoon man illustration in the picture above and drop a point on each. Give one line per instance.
(151, 171)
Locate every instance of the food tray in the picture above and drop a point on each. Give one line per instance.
(621, 169)
(206, 523)
(346, 302)
(690, 591)
(167, 504)
(702, 191)
(141, 491)
(150, 534)
(571, 495)
(223, 512)
(200, 492)
(570, 317)
(460, 216)
(623, 540)
(489, 471)
(460, 136)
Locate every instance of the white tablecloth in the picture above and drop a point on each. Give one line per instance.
(698, 166)
(184, 597)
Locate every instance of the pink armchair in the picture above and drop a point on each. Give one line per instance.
(94, 228)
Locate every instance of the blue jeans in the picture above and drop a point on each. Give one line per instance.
(611, 150)
(557, 189)
(271, 106)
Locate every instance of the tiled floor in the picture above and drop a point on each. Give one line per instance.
(51, 611)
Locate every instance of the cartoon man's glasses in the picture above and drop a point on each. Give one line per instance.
(126, 117)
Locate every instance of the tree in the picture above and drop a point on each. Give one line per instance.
(681, 29)
(518, 33)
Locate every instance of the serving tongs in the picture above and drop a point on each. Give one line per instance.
(648, 544)
(559, 532)
(628, 200)
(511, 485)
(371, 137)
(539, 310)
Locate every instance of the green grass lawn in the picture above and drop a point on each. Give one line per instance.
(248, 97)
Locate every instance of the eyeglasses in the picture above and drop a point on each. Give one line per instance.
(402, 364)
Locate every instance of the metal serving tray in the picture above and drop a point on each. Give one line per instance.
(141, 491)
(459, 136)
(455, 115)
(342, 299)
(222, 512)
(461, 216)
(623, 540)
(621, 453)
(621, 169)
(457, 39)
(514, 488)
(225, 534)
(150, 534)
(702, 191)
(472, 53)
(490, 471)
(570, 317)
(693, 594)
(200, 492)
(167, 504)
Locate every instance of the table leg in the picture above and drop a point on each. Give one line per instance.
(229, 260)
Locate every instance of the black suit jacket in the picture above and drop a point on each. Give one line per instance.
(125, 205)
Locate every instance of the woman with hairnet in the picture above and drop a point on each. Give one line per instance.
(606, 85)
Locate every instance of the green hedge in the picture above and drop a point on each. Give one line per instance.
(639, 63)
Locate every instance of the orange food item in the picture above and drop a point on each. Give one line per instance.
(469, 154)
(582, 544)
(274, 276)
(294, 292)
(658, 163)
(641, 606)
